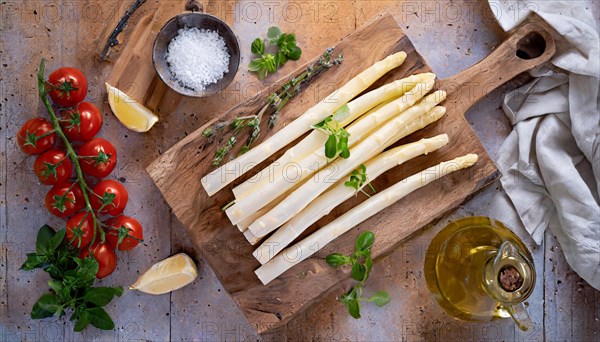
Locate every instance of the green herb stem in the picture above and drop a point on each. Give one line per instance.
(70, 151)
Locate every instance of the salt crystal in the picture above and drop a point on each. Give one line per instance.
(197, 58)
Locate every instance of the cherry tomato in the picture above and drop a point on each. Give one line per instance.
(80, 230)
(69, 86)
(105, 255)
(64, 199)
(99, 157)
(112, 195)
(124, 225)
(34, 136)
(81, 123)
(53, 167)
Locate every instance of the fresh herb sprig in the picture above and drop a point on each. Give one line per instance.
(71, 283)
(358, 178)
(361, 268)
(273, 107)
(337, 142)
(268, 63)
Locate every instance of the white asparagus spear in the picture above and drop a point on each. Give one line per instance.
(227, 173)
(311, 244)
(300, 170)
(356, 108)
(379, 140)
(340, 192)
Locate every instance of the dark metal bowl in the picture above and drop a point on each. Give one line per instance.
(201, 21)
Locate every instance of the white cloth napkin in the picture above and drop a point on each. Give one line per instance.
(550, 163)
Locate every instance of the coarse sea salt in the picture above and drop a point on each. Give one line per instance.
(197, 58)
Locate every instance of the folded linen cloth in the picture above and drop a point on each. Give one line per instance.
(550, 162)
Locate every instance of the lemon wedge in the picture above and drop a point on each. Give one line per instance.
(168, 275)
(131, 113)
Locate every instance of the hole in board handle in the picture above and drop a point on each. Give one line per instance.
(531, 46)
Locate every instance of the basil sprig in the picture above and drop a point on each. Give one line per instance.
(71, 283)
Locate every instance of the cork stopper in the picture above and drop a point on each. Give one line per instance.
(510, 279)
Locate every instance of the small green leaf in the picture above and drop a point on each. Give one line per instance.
(368, 267)
(44, 235)
(82, 321)
(273, 32)
(380, 298)
(331, 147)
(33, 261)
(295, 53)
(258, 46)
(55, 285)
(354, 309)
(358, 271)
(269, 63)
(337, 259)
(255, 65)
(46, 306)
(56, 240)
(100, 296)
(341, 113)
(280, 59)
(364, 241)
(100, 319)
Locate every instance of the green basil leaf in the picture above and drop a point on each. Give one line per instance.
(380, 298)
(46, 306)
(33, 261)
(337, 259)
(255, 65)
(364, 241)
(262, 73)
(348, 297)
(358, 271)
(100, 296)
(295, 53)
(331, 147)
(258, 46)
(56, 240)
(273, 33)
(82, 321)
(100, 319)
(55, 285)
(44, 235)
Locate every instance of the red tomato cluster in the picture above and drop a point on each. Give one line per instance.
(80, 122)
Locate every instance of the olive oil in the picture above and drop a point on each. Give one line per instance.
(456, 264)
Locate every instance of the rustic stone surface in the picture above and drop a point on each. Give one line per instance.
(71, 32)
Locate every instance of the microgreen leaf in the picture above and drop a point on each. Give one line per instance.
(273, 34)
(341, 113)
(255, 65)
(358, 271)
(364, 241)
(337, 259)
(380, 298)
(331, 147)
(258, 46)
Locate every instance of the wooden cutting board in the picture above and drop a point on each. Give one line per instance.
(177, 172)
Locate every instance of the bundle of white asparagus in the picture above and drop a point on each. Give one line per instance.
(306, 183)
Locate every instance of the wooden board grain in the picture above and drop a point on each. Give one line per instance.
(177, 174)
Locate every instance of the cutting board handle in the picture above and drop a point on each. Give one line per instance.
(527, 46)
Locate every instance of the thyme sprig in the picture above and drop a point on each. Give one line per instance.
(273, 107)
